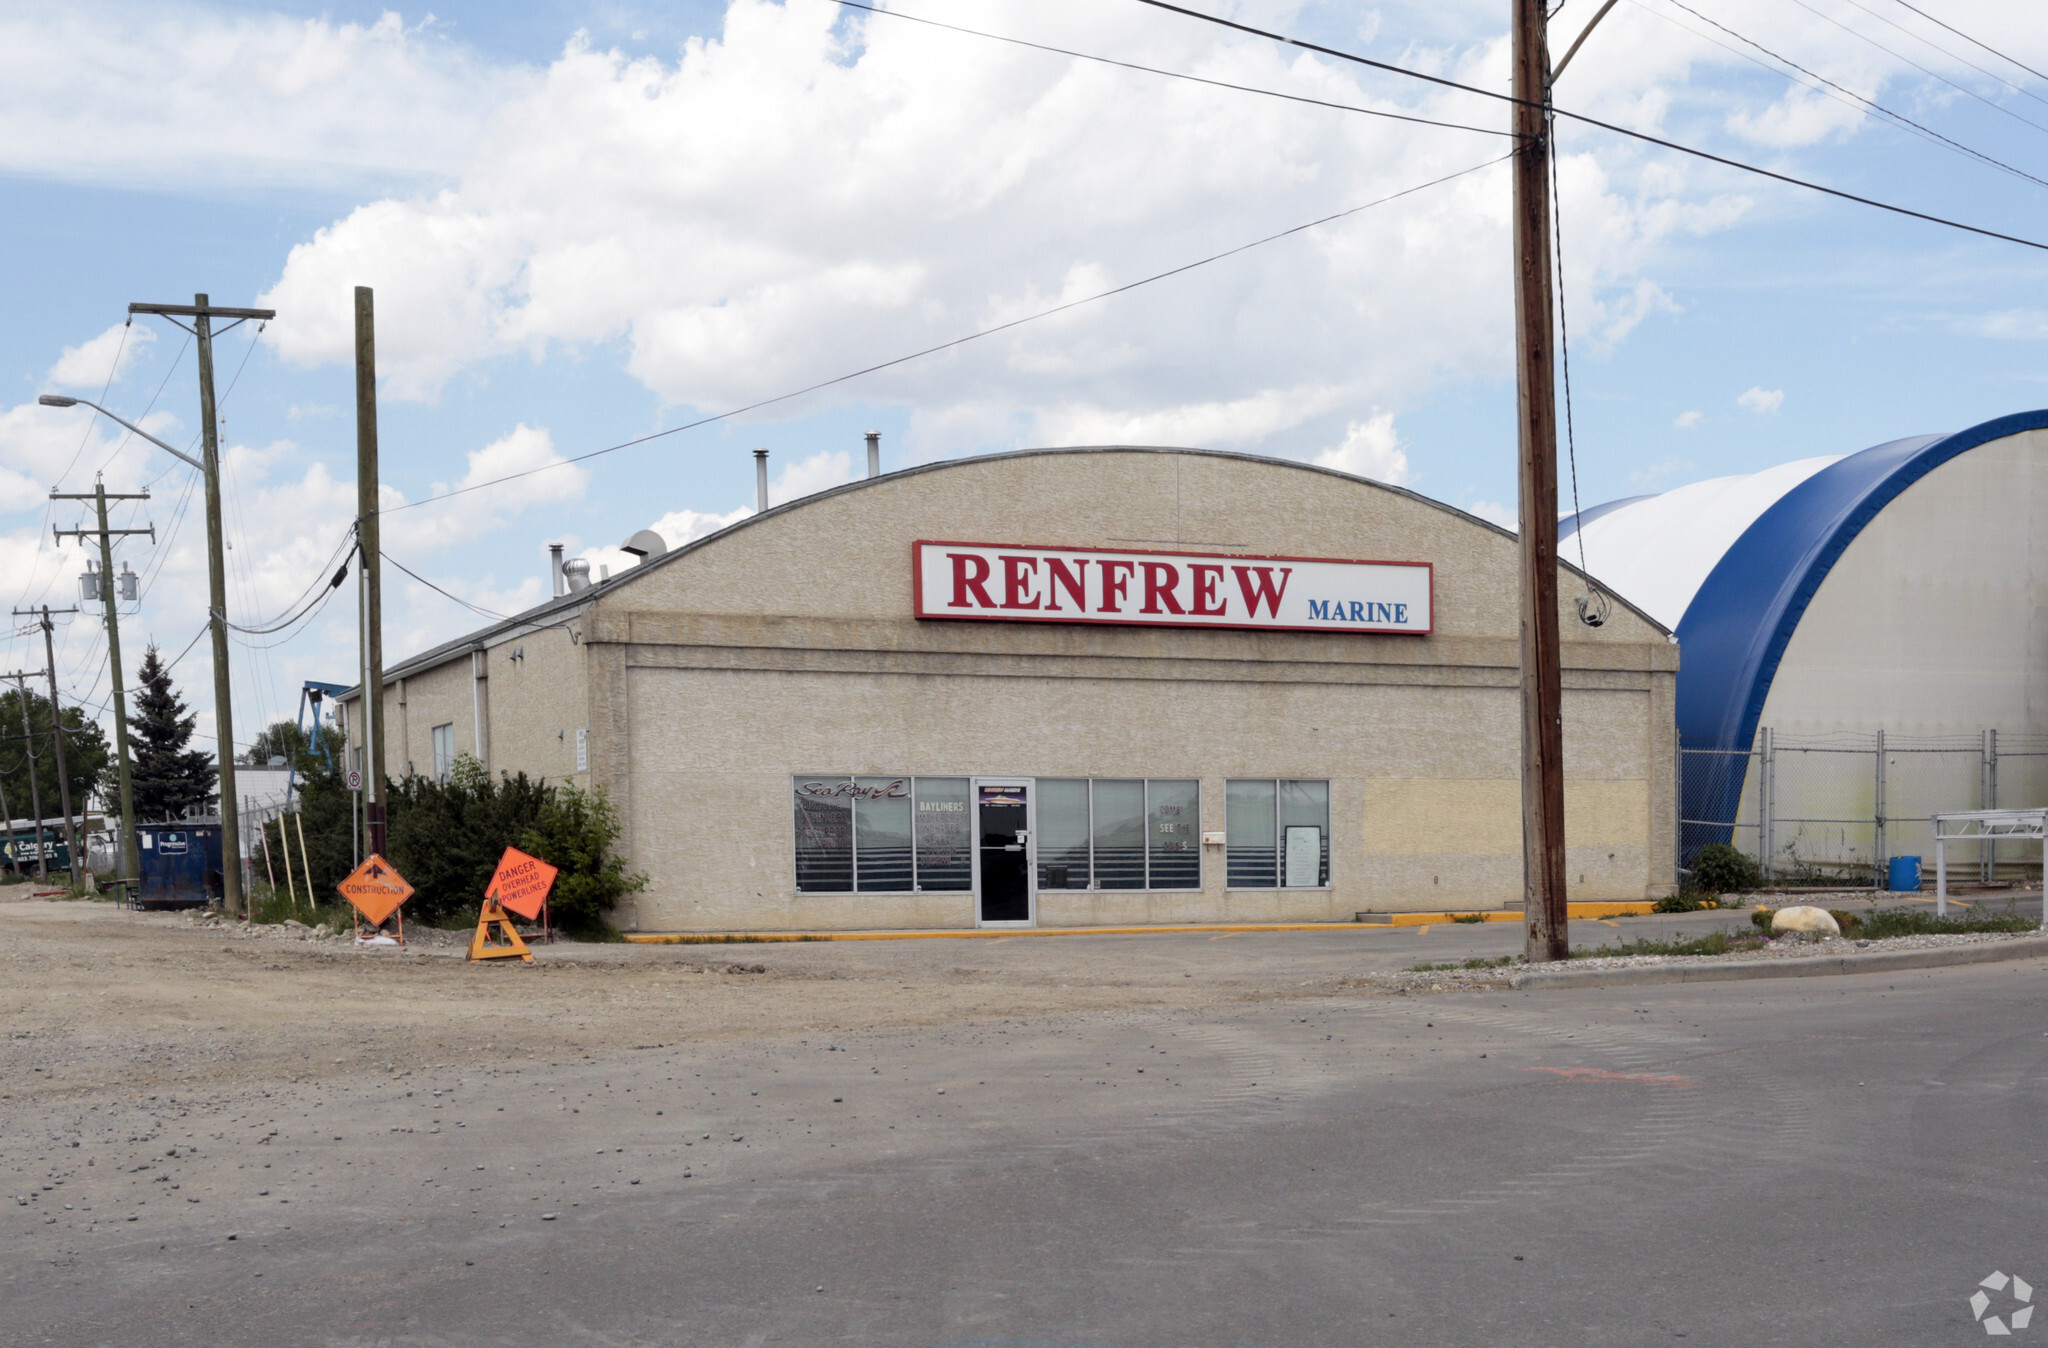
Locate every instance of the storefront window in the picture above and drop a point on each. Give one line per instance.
(881, 834)
(1119, 835)
(1175, 856)
(1278, 833)
(1063, 833)
(945, 857)
(824, 835)
(896, 835)
(1251, 853)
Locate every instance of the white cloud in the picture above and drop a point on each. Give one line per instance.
(1659, 472)
(486, 503)
(676, 528)
(148, 93)
(1688, 421)
(101, 360)
(1762, 401)
(826, 468)
(810, 192)
(2010, 324)
(1370, 449)
(1505, 516)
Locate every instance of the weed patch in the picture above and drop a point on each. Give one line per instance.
(1880, 923)
(1713, 943)
(1468, 964)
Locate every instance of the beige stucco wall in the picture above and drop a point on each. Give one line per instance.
(787, 645)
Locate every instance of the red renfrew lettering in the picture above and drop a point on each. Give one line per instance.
(1206, 602)
(1116, 581)
(970, 576)
(1160, 580)
(1016, 583)
(1263, 588)
(1074, 582)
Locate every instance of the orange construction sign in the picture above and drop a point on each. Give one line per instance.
(521, 883)
(375, 889)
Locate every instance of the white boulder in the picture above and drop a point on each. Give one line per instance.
(1806, 918)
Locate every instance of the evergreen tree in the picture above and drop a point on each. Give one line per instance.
(86, 756)
(168, 778)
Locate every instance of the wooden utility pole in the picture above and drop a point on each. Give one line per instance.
(371, 562)
(1543, 860)
(202, 313)
(131, 855)
(35, 791)
(57, 738)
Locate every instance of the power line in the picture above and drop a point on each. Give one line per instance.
(1872, 104)
(1901, 56)
(1964, 60)
(1174, 74)
(474, 608)
(1973, 41)
(1582, 118)
(945, 346)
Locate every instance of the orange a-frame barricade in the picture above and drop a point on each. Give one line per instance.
(520, 885)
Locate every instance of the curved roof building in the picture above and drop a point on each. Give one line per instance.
(1898, 590)
(1078, 687)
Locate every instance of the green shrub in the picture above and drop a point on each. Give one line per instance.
(1681, 903)
(1850, 923)
(1761, 918)
(1721, 869)
(575, 832)
(445, 837)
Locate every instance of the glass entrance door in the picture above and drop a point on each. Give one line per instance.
(1003, 872)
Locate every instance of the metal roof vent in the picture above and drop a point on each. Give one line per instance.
(646, 545)
(576, 571)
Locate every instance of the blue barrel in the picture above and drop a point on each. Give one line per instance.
(1905, 875)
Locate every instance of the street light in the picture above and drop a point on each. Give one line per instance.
(131, 858)
(59, 400)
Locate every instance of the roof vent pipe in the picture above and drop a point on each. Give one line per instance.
(760, 481)
(576, 571)
(874, 453)
(555, 569)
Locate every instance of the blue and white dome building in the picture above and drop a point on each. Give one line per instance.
(1864, 640)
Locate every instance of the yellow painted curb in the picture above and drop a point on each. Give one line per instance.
(971, 933)
(1577, 911)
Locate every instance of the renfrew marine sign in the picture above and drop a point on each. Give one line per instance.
(986, 582)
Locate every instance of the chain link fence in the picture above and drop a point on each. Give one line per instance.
(1834, 809)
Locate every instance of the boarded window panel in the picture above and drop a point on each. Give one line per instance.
(1251, 847)
(1306, 804)
(944, 859)
(1119, 835)
(824, 835)
(1175, 847)
(881, 834)
(1062, 833)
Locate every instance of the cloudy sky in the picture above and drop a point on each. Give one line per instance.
(590, 220)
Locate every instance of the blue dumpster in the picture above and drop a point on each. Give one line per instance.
(1905, 875)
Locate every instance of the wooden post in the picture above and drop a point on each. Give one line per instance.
(1543, 860)
(57, 738)
(372, 568)
(217, 609)
(131, 855)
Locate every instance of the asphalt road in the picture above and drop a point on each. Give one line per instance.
(1820, 1161)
